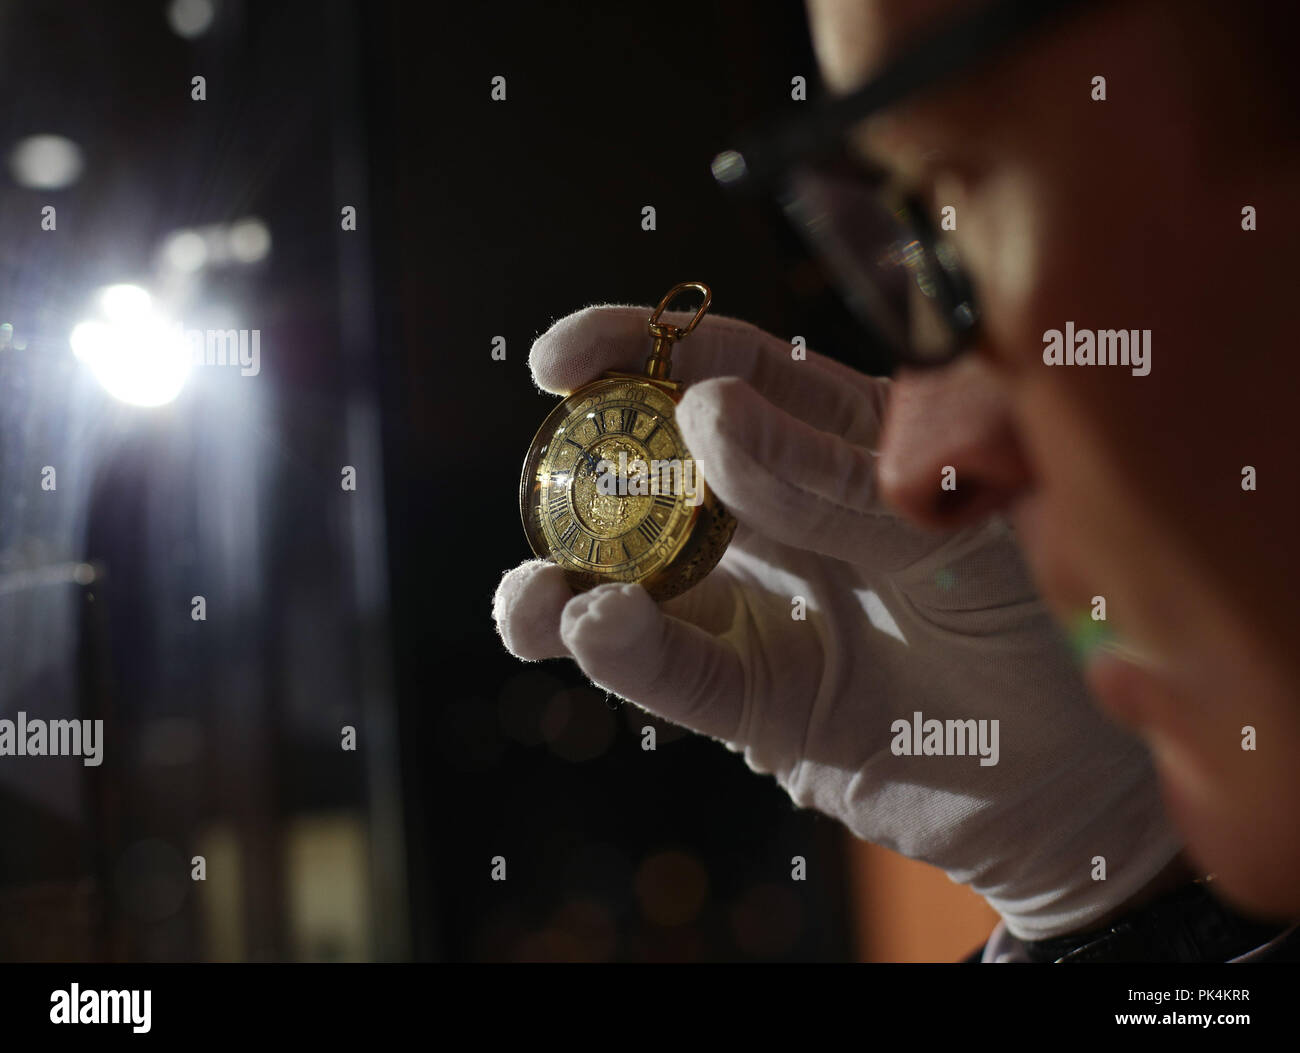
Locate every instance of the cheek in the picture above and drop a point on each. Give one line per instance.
(1026, 285)
(1121, 461)
(1102, 532)
(1093, 524)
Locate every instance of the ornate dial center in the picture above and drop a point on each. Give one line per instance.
(606, 514)
(599, 506)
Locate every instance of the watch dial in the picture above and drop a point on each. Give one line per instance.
(609, 487)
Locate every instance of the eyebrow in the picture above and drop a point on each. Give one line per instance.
(905, 161)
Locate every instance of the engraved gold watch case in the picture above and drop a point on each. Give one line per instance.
(609, 490)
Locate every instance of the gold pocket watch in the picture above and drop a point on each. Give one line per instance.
(609, 490)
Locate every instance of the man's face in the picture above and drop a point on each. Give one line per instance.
(1122, 214)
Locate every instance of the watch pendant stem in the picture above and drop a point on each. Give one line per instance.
(659, 365)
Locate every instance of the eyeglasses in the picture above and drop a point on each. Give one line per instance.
(901, 279)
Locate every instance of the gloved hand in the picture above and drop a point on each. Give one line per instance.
(898, 621)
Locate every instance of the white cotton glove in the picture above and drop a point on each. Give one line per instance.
(898, 620)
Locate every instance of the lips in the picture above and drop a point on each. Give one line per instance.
(1121, 687)
(1123, 676)
(1054, 580)
(1134, 694)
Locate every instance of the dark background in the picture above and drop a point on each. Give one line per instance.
(509, 215)
(371, 609)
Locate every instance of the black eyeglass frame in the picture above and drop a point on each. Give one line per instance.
(764, 163)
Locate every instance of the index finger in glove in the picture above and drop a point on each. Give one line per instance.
(791, 481)
(816, 390)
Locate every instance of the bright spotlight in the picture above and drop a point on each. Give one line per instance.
(190, 18)
(45, 162)
(136, 354)
(249, 240)
(186, 251)
(125, 303)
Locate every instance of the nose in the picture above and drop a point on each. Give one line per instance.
(949, 452)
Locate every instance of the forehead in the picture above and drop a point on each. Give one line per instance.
(853, 38)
